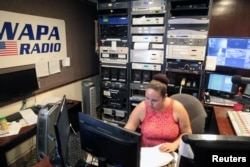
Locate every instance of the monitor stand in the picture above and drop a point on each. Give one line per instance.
(102, 162)
(55, 159)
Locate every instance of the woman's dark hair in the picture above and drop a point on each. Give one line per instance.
(159, 83)
(161, 77)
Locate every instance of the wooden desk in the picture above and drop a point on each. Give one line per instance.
(224, 125)
(46, 163)
(9, 142)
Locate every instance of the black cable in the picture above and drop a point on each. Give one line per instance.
(23, 103)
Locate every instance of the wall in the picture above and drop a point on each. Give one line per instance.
(71, 91)
(230, 18)
(79, 18)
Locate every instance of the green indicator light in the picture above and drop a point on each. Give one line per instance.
(105, 20)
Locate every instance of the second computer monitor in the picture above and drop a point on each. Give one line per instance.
(110, 143)
(62, 131)
(220, 84)
(218, 150)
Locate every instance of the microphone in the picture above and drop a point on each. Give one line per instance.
(237, 79)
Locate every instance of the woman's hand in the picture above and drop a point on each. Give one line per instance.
(168, 147)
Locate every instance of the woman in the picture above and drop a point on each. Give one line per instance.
(162, 119)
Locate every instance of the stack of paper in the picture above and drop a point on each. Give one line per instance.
(153, 157)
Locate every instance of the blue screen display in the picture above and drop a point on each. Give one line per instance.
(230, 52)
(220, 82)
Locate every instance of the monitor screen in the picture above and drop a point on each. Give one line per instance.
(62, 131)
(219, 83)
(218, 150)
(113, 145)
(230, 52)
(17, 84)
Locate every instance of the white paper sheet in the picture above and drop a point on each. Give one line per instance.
(14, 128)
(186, 150)
(54, 66)
(29, 116)
(66, 62)
(211, 63)
(42, 68)
(153, 157)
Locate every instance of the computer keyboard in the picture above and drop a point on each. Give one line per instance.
(240, 121)
(214, 100)
(14, 117)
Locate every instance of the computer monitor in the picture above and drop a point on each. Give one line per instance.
(112, 144)
(16, 84)
(218, 150)
(62, 131)
(219, 84)
(230, 52)
(45, 143)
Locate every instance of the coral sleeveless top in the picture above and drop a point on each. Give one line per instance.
(159, 127)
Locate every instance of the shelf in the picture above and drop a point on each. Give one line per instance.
(184, 71)
(189, 7)
(184, 87)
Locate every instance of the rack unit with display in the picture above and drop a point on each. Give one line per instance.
(147, 26)
(140, 38)
(188, 24)
(113, 24)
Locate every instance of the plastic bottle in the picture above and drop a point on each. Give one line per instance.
(3, 124)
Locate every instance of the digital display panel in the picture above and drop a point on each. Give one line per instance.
(230, 52)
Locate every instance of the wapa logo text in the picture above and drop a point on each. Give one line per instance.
(25, 39)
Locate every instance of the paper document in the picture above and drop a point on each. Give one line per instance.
(153, 157)
(185, 150)
(211, 63)
(14, 128)
(29, 116)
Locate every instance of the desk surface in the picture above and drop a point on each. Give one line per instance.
(224, 125)
(46, 163)
(24, 130)
(9, 142)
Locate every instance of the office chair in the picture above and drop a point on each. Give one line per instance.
(197, 116)
(195, 109)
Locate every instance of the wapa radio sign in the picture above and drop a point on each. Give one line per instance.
(30, 37)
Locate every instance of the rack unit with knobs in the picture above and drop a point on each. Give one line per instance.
(139, 38)
(114, 58)
(188, 24)
(148, 24)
